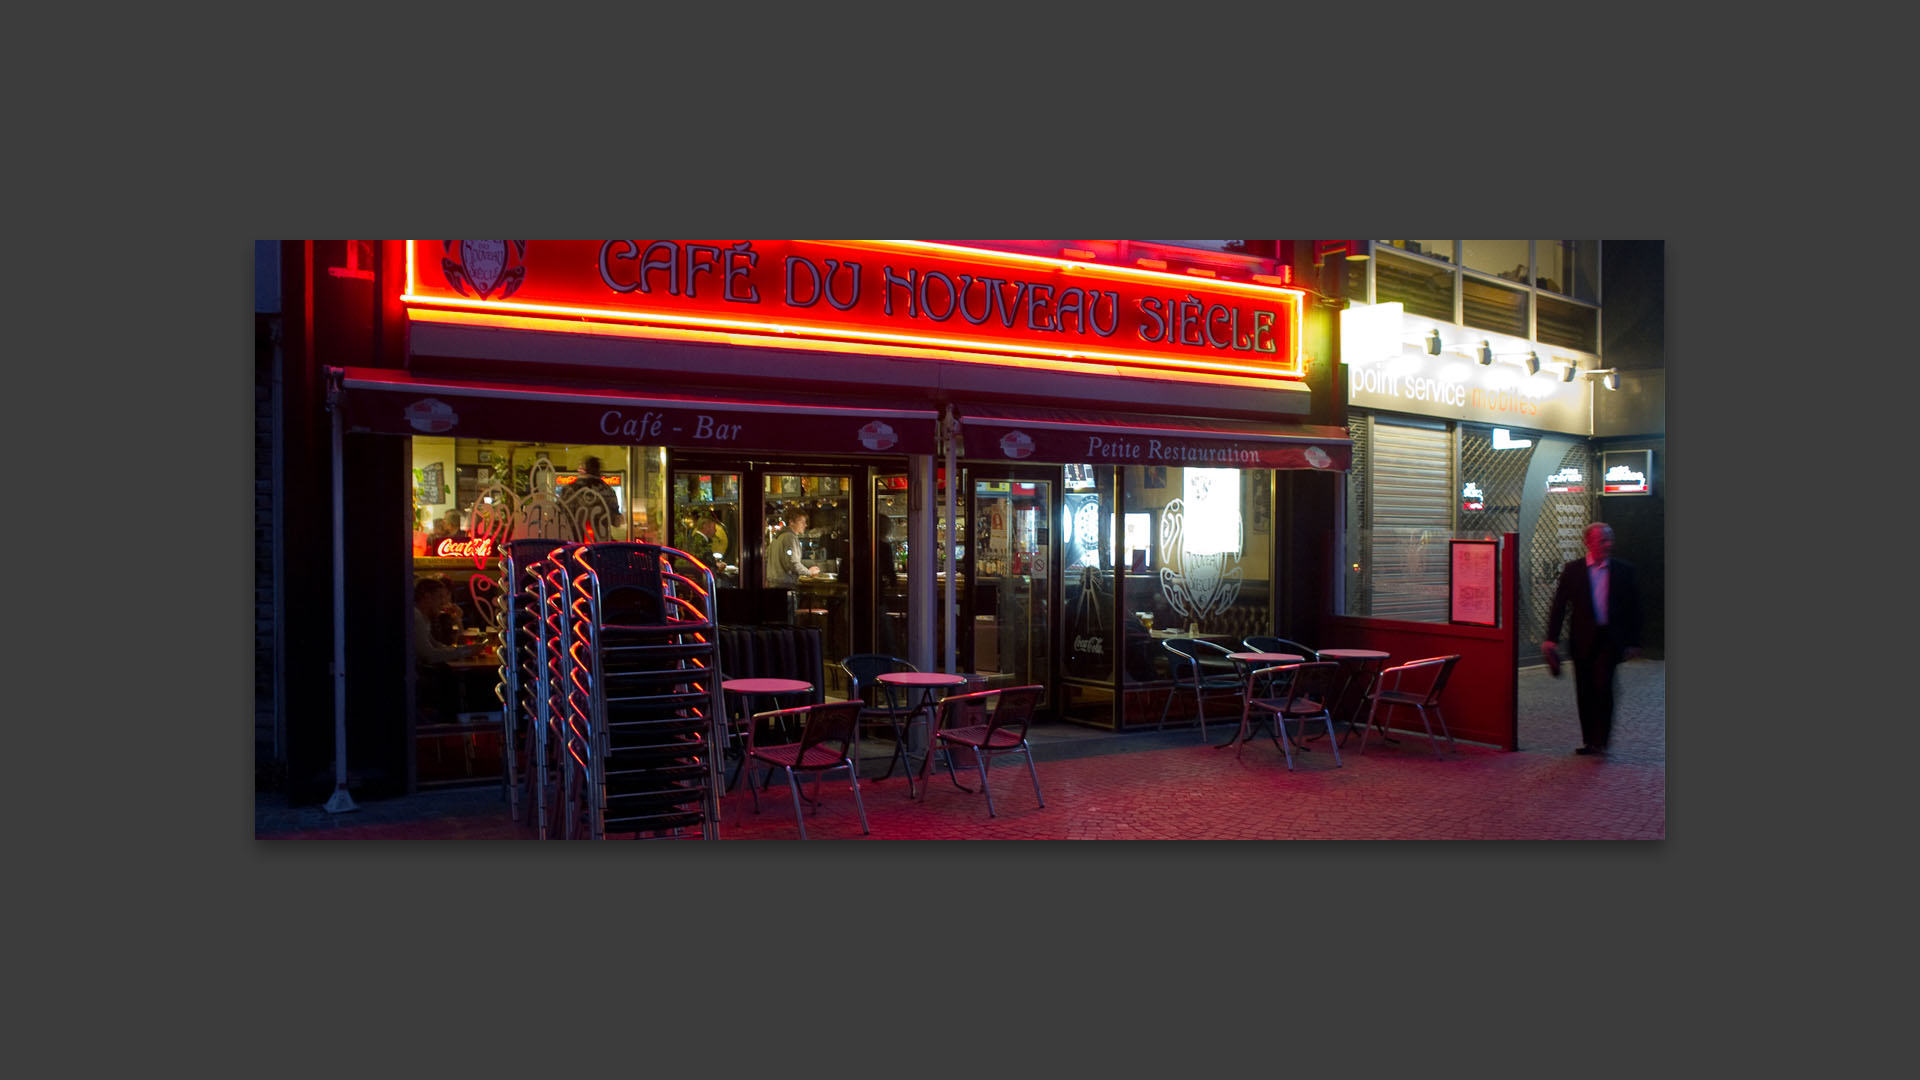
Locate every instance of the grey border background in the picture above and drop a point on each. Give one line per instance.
(300, 958)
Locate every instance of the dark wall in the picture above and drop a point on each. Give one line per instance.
(378, 595)
(1640, 537)
(1633, 314)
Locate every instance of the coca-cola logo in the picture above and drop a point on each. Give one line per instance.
(465, 549)
(1094, 645)
(1016, 444)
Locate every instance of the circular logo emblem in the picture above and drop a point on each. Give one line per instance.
(432, 416)
(878, 435)
(1016, 444)
(1318, 458)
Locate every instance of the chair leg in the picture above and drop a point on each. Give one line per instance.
(1286, 744)
(793, 786)
(980, 759)
(853, 776)
(1172, 691)
(817, 779)
(1430, 740)
(1028, 750)
(1368, 729)
(1200, 710)
(746, 769)
(1442, 717)
(1330, 742)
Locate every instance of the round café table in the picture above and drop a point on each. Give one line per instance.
(927, 683)
(1359, 669)
(1247, 663)
(747, 690)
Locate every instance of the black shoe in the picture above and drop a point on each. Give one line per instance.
(1585, 750)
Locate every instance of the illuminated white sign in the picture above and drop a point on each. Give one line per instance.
(1504, 440)
(1568, 479)
(1471, 497)
(1626, 472)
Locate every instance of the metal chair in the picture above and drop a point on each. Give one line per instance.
(1258, 643)
(1302, 699)
(825, 735)
(965, 722)
(863, 669)
(1440, 668)
(1200, 666)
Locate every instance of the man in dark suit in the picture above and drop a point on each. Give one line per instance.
(1600, 595)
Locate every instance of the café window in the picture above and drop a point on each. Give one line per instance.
(1569, 267)
(1424, 287)
(1501, 258)
(483, 488)
(1486, 306)
(1432, 249)
(1575, 326)
(1197, 548)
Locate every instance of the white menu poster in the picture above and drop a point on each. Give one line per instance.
(1473, 582)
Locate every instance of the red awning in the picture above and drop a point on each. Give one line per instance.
(1059, 436)
(394, 402)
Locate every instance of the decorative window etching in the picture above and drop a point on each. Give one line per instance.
(1196, 585)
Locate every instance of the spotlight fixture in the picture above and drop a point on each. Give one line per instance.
(1568, 372)
(1485, 353)
(1433, 342)
(1533, 362)
(1609, 376)
(1613, 380)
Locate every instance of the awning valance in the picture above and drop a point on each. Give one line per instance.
(396, 402)
(1060, 436)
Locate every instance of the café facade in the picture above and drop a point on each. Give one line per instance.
(1025, 460)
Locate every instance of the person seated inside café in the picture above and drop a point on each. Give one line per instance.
(437, 689)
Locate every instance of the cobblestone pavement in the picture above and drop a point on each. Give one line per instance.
(1173, 786)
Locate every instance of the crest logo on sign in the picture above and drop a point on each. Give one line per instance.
(878, 435)
(1016, 444)
(484, 265)
(1317, 457)
(432, 416)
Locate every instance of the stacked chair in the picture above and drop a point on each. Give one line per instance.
(523, 663)
(624, 688)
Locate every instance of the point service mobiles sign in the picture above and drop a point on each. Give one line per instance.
(890, 292)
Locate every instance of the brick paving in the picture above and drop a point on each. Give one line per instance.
(1174, 787)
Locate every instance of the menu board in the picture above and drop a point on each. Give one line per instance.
(1473, 582)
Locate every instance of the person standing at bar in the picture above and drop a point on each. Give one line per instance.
(1599, 599)
(784, 566)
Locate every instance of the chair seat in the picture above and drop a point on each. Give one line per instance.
(1401, 697)
(976, 736)
(1304, 707)
(817, 757)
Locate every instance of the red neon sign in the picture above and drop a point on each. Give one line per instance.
(479, 548)
(897, 292)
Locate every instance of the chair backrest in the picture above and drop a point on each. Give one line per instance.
(831, 725)
(1309, 685)
(1444, 664)
(965, 710)
(864, 668)
(1259, 643)
(1015, 711)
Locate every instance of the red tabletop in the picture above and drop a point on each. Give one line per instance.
(766, 686)
(920, 678)
(1267, 657)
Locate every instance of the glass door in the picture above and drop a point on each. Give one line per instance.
(706, 521)
(806, 540)
(1012, 581)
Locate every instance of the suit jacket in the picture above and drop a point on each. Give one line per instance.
(1573, 596)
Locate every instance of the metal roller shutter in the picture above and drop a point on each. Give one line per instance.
(1410, 495)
